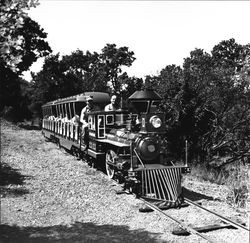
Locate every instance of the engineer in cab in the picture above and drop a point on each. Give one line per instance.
(113, 104)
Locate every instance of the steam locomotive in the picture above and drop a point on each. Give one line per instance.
(129, 143)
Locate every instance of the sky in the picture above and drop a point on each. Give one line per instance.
(160, 33)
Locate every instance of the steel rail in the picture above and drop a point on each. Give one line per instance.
(184, 226)
(237, 225)
(190, 229)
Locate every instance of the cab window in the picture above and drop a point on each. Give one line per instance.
(110, 119)
(101, 126)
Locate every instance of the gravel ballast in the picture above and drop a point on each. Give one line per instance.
(47, 195)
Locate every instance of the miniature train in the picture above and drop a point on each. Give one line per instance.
(129, 143)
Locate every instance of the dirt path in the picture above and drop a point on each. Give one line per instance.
(47, 195)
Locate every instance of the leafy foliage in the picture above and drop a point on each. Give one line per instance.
(22, 42)
(9, 86)
(12, 17)
(207, 103)
(14, 95)
(33, 46)
(230, 134)
(128, 85)
(79, 72)
(113, 59)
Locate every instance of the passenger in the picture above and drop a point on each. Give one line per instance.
(84, 118)
(52, 118)
(113, 105)
(74, 126)
(75, 120)
(59, 118)
(88, 108)
(66, 118)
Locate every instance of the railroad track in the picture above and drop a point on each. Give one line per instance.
(229, 221)
(185, 227)
(196, 231)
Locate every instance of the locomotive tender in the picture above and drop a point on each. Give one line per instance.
(129, 143)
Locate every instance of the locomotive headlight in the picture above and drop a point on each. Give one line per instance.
(155, 121)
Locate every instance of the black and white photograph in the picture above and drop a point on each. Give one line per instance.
(124, 121)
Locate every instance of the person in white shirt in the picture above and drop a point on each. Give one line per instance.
(66, 118)
(84, 118)
(52, 118)
(75, 119)
(59, 118)
(112, 106)
(88, 108)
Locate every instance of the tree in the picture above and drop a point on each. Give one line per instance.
(95, 76)
(168, 85)
(78, 72)
(21, 43)
(228, 54)
(14, 95)
(10, 88)
(12, 17)
(34, 45)
(186, 101)
(128, 87)
(113, 59)
(214, 102)
(230, 134)
(69, 75)
(48, 82)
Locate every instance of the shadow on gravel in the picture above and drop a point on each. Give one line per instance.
(78, 232)
(195, 196)
(10, 176)
(12, 192)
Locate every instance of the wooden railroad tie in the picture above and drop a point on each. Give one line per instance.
(147, 209)
(203, 229)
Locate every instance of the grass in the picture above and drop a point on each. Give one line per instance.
(235, 176)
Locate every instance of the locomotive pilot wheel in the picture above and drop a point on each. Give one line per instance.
(110, 159)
